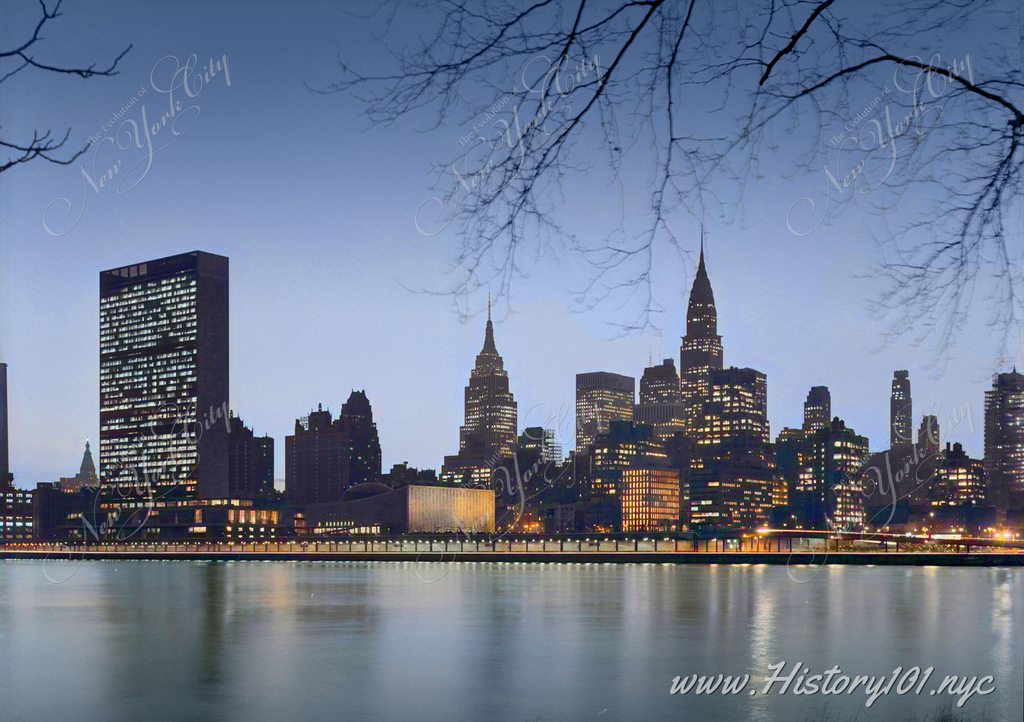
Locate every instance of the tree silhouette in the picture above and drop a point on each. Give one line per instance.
(941, 139)
(43, 143)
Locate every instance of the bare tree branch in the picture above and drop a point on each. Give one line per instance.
(43, 145)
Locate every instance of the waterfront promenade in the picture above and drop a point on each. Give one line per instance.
(602, 551)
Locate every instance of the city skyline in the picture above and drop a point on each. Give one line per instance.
(701, 293)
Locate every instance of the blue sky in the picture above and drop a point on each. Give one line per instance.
(314, 206)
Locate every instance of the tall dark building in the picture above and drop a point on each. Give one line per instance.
(601, 398)
(491, 411)
(364, 444)
(828, 484)
(250, 462)
(701, 351)
(317, 460)
(1004, 441)
(164, 376)
(817, 409)
(661, 404)
(5, 461)
(901, 415)
(928, 435)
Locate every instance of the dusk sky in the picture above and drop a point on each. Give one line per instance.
(315, 206)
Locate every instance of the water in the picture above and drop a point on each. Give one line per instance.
(398, 641)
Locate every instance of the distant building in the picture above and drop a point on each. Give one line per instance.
(650, 499)
(491, 411)
(377, 509)
(901, 421)
(5, 462)
(817, 409)
(601, 398)
(661, 403)
(54, 505)
(404, 475)
(700, 352)
(250, 462)
(17, 517)
(542, 442)
(790, 457)
(364, 458)
(317, 460)
(163, 373)
(86, 475)
(1004, 441)
(928, 434)
(959, 480)
(625, 445)
(828, 489)
(734, 482)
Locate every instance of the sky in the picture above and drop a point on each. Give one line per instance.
(314, 205)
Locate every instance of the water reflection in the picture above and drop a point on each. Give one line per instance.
(280, 641)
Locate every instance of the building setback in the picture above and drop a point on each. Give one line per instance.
(164, 376)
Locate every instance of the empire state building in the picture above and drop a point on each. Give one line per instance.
(701, 351)
(491, 411)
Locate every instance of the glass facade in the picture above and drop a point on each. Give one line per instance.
(601, 398)
(164, 377)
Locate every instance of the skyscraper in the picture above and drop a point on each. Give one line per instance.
(828, 488)
(164, 376)
(364, 457)
(817, 409)
(901, 421)
(701, 351)
(5, 462)
(491, 411)
(734, 482)
(660, 404)
(601, 397)
(1004, 441)
(316, 460)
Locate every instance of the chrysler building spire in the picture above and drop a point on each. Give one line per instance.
(701, 350)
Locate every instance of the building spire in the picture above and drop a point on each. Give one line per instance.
(701, 315)
(489, 346)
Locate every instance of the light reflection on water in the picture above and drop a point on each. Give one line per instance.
(284, 641)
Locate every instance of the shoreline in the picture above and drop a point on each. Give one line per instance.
(919, 559)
